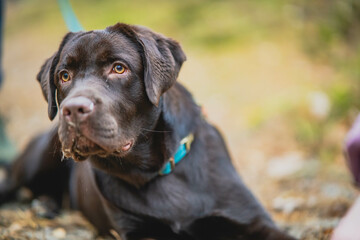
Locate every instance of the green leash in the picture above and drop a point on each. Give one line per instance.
(69, 16)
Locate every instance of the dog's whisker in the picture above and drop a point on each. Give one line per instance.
(155, 131)
(144, 135)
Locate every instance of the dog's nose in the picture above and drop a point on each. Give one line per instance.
(77, 109)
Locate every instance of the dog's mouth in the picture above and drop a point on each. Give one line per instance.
(82, 147)
(95, 136)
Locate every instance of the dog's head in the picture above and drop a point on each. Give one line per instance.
(107, 86)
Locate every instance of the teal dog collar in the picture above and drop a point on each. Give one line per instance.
(181, 152)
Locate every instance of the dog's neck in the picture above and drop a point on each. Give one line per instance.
(178, 116)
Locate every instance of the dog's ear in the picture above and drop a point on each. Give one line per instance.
(46, 78)
(163, 60)
(43, 77)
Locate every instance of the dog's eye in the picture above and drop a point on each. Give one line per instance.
(65, 76)
(118, 68)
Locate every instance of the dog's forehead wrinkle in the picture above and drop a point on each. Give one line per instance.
(83, 44)
(100, 47)
(120, 44)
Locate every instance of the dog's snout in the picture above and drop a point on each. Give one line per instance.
(77, 109)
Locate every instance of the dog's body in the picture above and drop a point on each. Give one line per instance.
(122, 117)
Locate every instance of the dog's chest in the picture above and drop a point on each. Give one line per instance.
(168, 202)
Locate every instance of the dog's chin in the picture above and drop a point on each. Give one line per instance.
(81, 148)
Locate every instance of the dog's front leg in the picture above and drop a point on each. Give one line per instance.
(38, 168)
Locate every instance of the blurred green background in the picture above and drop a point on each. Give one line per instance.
(249, 62)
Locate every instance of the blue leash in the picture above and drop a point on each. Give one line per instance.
(69, 16)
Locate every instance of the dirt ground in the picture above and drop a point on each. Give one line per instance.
(307, 203)
(244, 91)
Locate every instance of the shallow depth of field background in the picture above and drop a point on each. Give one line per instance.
(279, 78)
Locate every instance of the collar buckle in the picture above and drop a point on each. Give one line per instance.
(187, 141)
(172, 163)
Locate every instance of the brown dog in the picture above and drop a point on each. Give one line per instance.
(147, 164)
